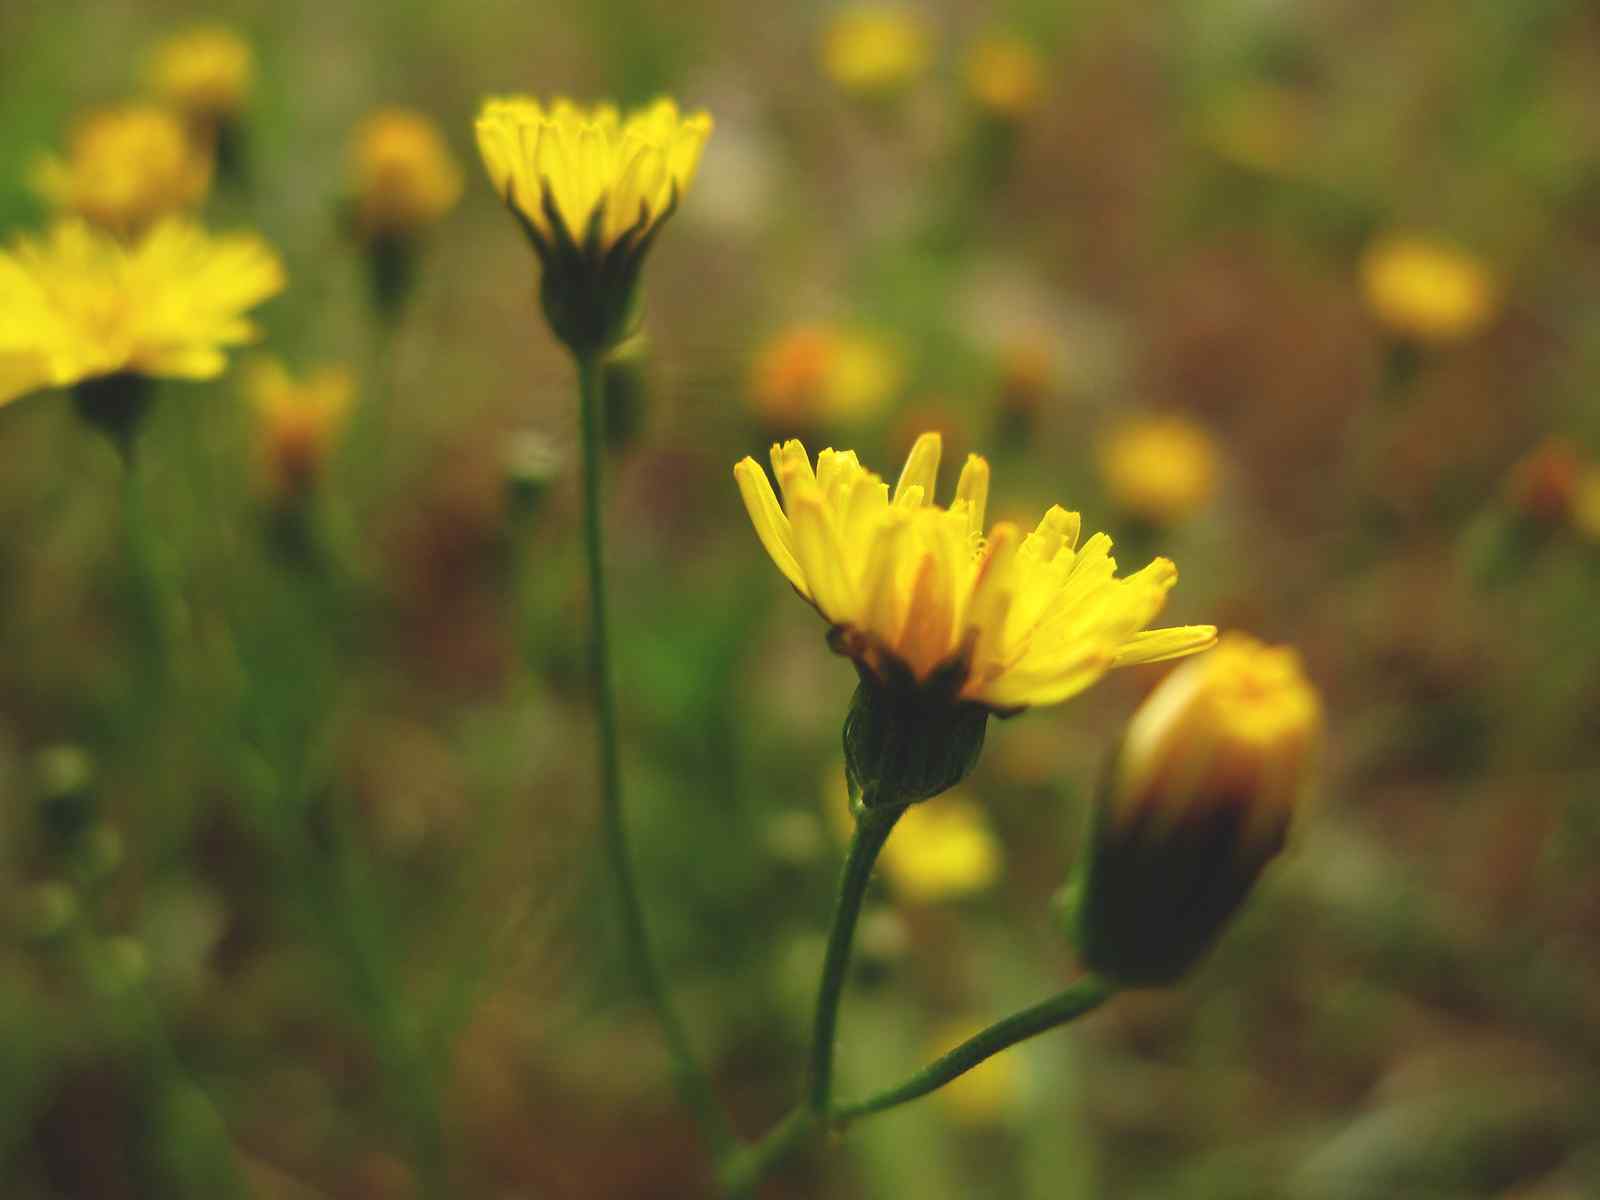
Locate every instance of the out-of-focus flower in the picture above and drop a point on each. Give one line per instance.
(1196, 803)
(821, 374)
(79, 305)
(403, 178)
(1586, 505)
(876, 50)
(531, 463)
(1159, 469)
(942, 850)
(1005, 76)
(1427, 289)
(205, 73)
(298, 420)
(125, 168)
(1028, 372)
(988, 1094)
(1543, 484)
(591, 188)
(1260, 127)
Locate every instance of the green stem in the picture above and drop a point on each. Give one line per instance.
(747, 1167)
(688, 1074)
(872, 831)
(1084, 996)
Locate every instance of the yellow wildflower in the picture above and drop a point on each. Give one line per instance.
(403, 178)
(874, 50)
(820, 373)
(205, 72)
(916, 593)
(988, 1093)
(78, 304)
(126, 168)
(1005, 77)
(1160, 469)
(942, 850)
(1428, 290)
(591, 188)
(299, 420)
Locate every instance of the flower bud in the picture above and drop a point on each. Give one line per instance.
(1196, 802)
(904, 743)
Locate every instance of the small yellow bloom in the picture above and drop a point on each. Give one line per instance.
(1428, 290)
(1005, 76)
(298, 420)
(914, 591)
(875, 50)
(812, 374)
(1160, 469)
(989, 1093)
(79, 304)
(591, 188)
(402, 176)
(205, 72)
(126, 168)
(941, 850)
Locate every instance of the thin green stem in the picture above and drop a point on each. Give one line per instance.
(1087, 994)
(747, 1167)
(690, 1077)
(872, 831)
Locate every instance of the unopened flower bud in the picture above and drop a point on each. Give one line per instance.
(1196, 803)
(904, 743)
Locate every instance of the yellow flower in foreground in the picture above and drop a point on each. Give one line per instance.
(915, 593)
(1428, 290)
(126, 168)
(402, 176)
(1005, 77)
(1160, 469)
(299, 420)
(78, 304)
(874, 50)
(591, 188)
(820, 373)
(206, 73)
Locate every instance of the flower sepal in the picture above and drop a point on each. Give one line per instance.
(116, 405)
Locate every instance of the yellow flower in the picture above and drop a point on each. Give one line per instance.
(874, 50)
(298, 420)
(1586, 505)
(1197, 803)
(820, 373)
(942, 850)
(403, 178)
(1005, 77)
(988, 1093)
(78, 304)
(126, 168)
(1428, 290)
(205, 72)
(1160, 469)
(916, 592)
(591, 188)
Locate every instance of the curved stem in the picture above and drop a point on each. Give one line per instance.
(1087, 994)
(872, 831)
(689, 1076)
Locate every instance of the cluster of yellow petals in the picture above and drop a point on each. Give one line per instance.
(913, 586)
(587, 162)
(1161, 469)
(403, 176)
(1426, 289)
(299, 420)
(876, 49)
(205, 72)
(125, 168)
(78, 303)
(1005, 76)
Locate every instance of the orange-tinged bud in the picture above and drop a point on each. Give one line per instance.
(1197, 801)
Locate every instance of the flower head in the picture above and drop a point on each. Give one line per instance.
(591, 188)
(1159, 469)
(126, 168)
(1428, 290)
(299, 420)
(875, 50)
(205, 72)
(1004, 77)
(78, 304)
(402, 176)
(916, 593)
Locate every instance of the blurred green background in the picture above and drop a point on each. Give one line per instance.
(331, 900)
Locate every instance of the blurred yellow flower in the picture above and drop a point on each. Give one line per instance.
(943, 849)
(1005, 76)
(78, 304)
(990, 1092)
(811, 374)
(402, 176)
(874, 50)
(1586, 505)
(125, 168)
(1428, 290)
(913, 590)
(1160, 469)
(205, 73)
(298, 421)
